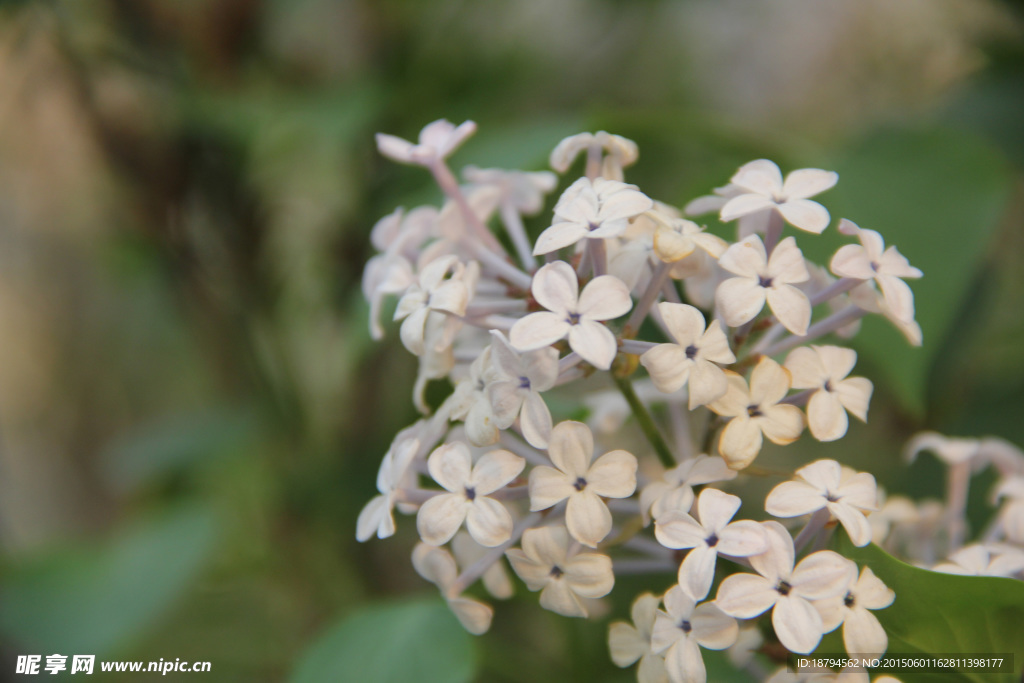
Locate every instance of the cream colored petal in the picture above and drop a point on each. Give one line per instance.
(826, 417)
(548, 486)
(697, 571)
(740, 442)
(536, 421)
(855, 395)
(791, 307)
(747, 258)
(375, 518)
(823, 574)
(899, 298)
(494, 470)
(742, 539)
(684, 662)
(559, 235)
(744, 205)
(713, 628)
(714, 346)
(851, 260)
(589, 575)
(823, 475)
(548, 545)
(859, 490)
(777, 562)
(450, 466)
(677, 529)
(625, 644)
(559, 598)
(594, 342)
(588, 518)
(808, 182)
(474, 616)
(412, 330)
(716, 508)
(652, 670)
(805, 214)
(572, 447)
(736, 398)
(806, 368)
(671, 246)
(555, 287)
(613, 475)
(707, 383)
(435, 565)
(685, 322)
(679, 498)
(451, 296)
(863, 634)
(739, 299)
(705, 469)
(541, 368)
(854, 521)
(625, 203)
(668, 367)
(792, 499)
(534, 574)
(643, 610)
(797, 624)
(440, 517)
(506, 400)
(769, 383)
(746, 596)
(762, 176)
(782, 423)
(871, 592)
(604, 298)
(488, 522)
(537, 330)
(786, 263)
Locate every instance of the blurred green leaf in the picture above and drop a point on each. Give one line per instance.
(392, 643)
(946, 614)
(96, 600)
(154, 449)
(937, 195)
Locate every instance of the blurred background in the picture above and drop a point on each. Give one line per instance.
(192, 412)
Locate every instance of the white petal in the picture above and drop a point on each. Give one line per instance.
(792, 499)
(697, 571)
(535, 575)
(742, 539)
(374, 518)
(863, 634)
(791, 307)
(769, 382)
(395, 148)
(762, 176)
(744, 205)
(440, 517)
(450, 466)
(506, 400)
(739, 299)
(787, 263)
(685, 322)
(604, 298)
(547, 545)
(871, 592)
(559, 598)
(541, 368)
(716, 508)
(548, 487)
(899, 298)
(536, 421)
(740, 442)
(537, 330)
(808, 182)
(826, 416)
(590, 575)
(823, 574)
(745, 596)
(851, 260)
(854, 521)
(588, 518)
(746, 258)
(572, 447)
(707, 383)
(777, 562)
(676, 529)
(613, 475)
(782, 423)
(797, 624)
(558, 236)
(494, 470)
(555, 287)
(435, 565)
(805, 214)
(474, 616)
(488, 522)
(594, 342)
(684, 662)
(855, 395)
(625, 644)
(669, 367)
(806, 368)
(712, 628)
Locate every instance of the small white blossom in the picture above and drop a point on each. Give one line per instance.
(692, 359)
(683, 628)
(613, 475)
(438, 566)
(755, 412)
(437, 141)
(787, 589)
(597, 209)
(862, 634)
(824, 484)
(871, 260)
(487, 520)
(515, 391)
(628, 643)
(622, 152)
(572, 314)
(432, 305)
(981, 560)
(706, 538)
(376, 517)
(673, 491)
(544, 563)
(764, 189)
(826, 369)
(868, 298)
(760, 279)
(469, 402)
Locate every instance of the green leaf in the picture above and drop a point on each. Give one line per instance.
(93, 601)
(937, 195)
(946, 614)
(416, 640)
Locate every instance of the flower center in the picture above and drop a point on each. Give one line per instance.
(711, 540)
(849, 600)
(686, 626)
(831, 497)
(827, 386)
(556, 572)
(754, 411)
(764, 281)
(783, 588)
(524, 382)
(470, 493)
(573, 319)
(874, 267)
(691, 351)
(580, 483)
(592, 226)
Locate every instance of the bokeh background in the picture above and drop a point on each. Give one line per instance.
(192, 412)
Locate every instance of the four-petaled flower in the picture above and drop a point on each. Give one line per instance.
(613, 475)
(871, 260)
(593, 209)
(515, 391)
(437, 566)
(789, 590)
(825, 368)
(376, 517)
(755, 412)
(431, 306)
(862, 634)
(759, 279)
(711, 535)
(622, 152)
(437, 141)
(674, 490)
(546, 565)
(692, 358)
(763, 189)
(824, 484)
(685, 627)
(573, 314)
(487, 520)
(628, 643)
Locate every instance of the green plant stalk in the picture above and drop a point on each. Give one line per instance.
(646, 422)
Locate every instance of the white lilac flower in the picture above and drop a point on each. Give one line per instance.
(384, 275)
(764, 189)
(629, 643)
(376, 518)
(760, 279)
(521, 190)
(584, 483)
(862, 634)
(572, 314)
(438, 566)
(824, 484)
(685, 627)
(755, 412)
(469, 402)
(865, 296)
(978, 452)
(467, 500)
(673, 491)
(787, 590)
(871, 260)
(545, 564)
(982, 560)
(431, 307)
(826, 369)
(519, 379)
(692, 358)
(495, 578)
(622, 152)
(706, 538)
(436, 142)
(592, 209)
